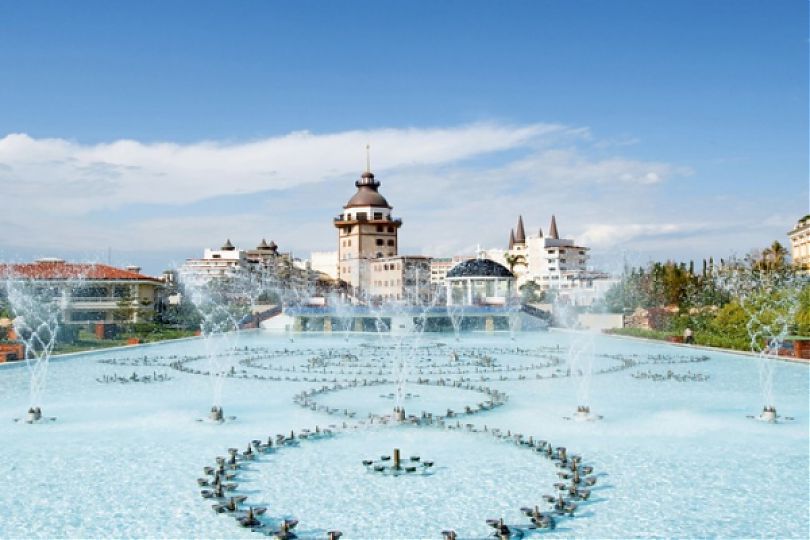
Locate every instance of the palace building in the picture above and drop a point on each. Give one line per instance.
(367, 257)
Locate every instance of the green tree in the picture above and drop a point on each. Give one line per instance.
(514, 260)
(531, 293)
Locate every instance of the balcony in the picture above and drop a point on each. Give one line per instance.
(341, 220)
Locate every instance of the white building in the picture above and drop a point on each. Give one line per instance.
(402, 277)
(265, 265)
(548, 260)
(224, 262)
(800, 243)
(439, 266)
(325, 262)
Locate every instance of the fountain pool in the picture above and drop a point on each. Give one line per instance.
(674, 454)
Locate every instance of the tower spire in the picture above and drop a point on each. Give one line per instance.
(368, 158)
(553, 229)
(520, 233)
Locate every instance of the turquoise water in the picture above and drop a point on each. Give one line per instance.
(672, 459)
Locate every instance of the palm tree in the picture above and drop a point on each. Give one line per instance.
(773, 257)
(514, 260)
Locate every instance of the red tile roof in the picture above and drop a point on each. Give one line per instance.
(56, 270)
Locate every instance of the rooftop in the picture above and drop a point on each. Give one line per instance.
(56, 269)
(479, 268)
(367, 194)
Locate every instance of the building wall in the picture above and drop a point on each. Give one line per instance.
(800, 243)
(106, 305)
(549, 261)
(440, 266)
(364, 233)
(399, 278)
(325, 262)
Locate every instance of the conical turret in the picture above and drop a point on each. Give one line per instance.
(520, 233)
(552, 232)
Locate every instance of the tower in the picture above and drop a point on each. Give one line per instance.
(366, 230)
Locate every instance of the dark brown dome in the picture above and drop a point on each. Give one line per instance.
(367, 196)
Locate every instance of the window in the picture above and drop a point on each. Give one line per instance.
(390, 242)
(120, 291)
(390, 229)
(362, 216)
(379, 241)
(378, 215)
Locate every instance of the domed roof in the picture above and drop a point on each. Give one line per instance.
(479, 268)
(367, 194)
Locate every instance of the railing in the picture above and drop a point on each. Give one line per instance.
(93, 299)
(366, 219)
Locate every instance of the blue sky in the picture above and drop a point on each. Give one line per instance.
(712, 97)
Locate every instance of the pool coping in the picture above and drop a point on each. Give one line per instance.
(67, 356)
(789, 359)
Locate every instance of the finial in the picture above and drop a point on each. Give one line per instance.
(368, 158)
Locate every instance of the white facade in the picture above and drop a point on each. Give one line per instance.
(402, 278)
(214, 264)
(439, 267)
(548, 260)
(264, 264)
(587, 289)
(325, 262)
(800, 243)
(552, 263)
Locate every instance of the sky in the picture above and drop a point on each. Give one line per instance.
(143, 132)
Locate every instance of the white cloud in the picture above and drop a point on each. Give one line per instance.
(440, 181)
(40, 172)
(609, 235)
